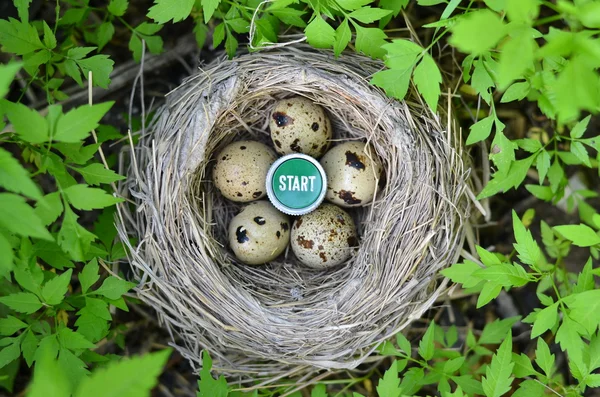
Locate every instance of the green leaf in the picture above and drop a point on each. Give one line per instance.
(49, 38)
(26, 279)
(98, 308)
(15, 178)
(543, 358)
(463, 273)
(543, 165)
(19, 38)
(505, 274)
(135, 46)
(343, 35)
(88, 198)
(54, 290)
(70, 339)
(114, 288)
(487, 258)
(428, 78)
(73, 238)
(22, 7)
(426, 3)
(10, 325)
(207, 385)
(482, 81)
(581, 153)
(523, 367)
(289, 16)
(27, 123)
(240, 25)
(352, 5)
(319, 33)
(574, 80)
(148, 29)
(516, 57)
(75, 368)
(523, 11)
(231, 45)
(480, 130)
(490, 291)
(402, 54)
(20, 218)
(209, 7)
(541, 192)
(529, 388)
(94, 328)
(594, 352)
(320, 390)
(370, 41)
(29, 346)
(132, 377)
(389, 385)
(368, 15)
(6, 256)
(581, 235)
(588, 13)
(101, 67)
(218, 34)
(394, 82)
(579, 129)
(106, 31)
(468, 384)
(496, 331)
(118, 7)
(7, 75)
(477, 32)
(403, 343)
(165, 10)
(48, 378)
(453, 365)
(585, 280)
(96, 174)
(516, 92)
(426, 345)
(49, 208)
(568, 338)
(585, 309)
(528, 250)
(89, 275)
(9, 354)
(22, 302)
(78, 123)
(496, 5)
(498, 377)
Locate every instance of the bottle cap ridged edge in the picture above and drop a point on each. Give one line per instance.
(271, 194)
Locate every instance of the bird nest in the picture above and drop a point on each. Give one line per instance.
(282, 318)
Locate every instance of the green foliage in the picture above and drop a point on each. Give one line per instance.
(56, 298)
(133, 377)
(569, 312)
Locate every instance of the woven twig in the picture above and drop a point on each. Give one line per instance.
(282, 319)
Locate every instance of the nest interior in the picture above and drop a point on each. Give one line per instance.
(284, 318)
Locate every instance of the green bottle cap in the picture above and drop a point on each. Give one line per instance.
(296, 184)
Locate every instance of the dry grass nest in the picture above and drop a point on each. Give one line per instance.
(284, 319)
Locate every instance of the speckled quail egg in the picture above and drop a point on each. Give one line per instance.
(324, 238)
(259, 233)
(241, 170)
(353, 171)
(300, 126)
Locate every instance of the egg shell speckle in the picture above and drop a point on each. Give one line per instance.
(324, 237)
(241, 170)
(352, 174)
(300, 126)
(259, 233)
